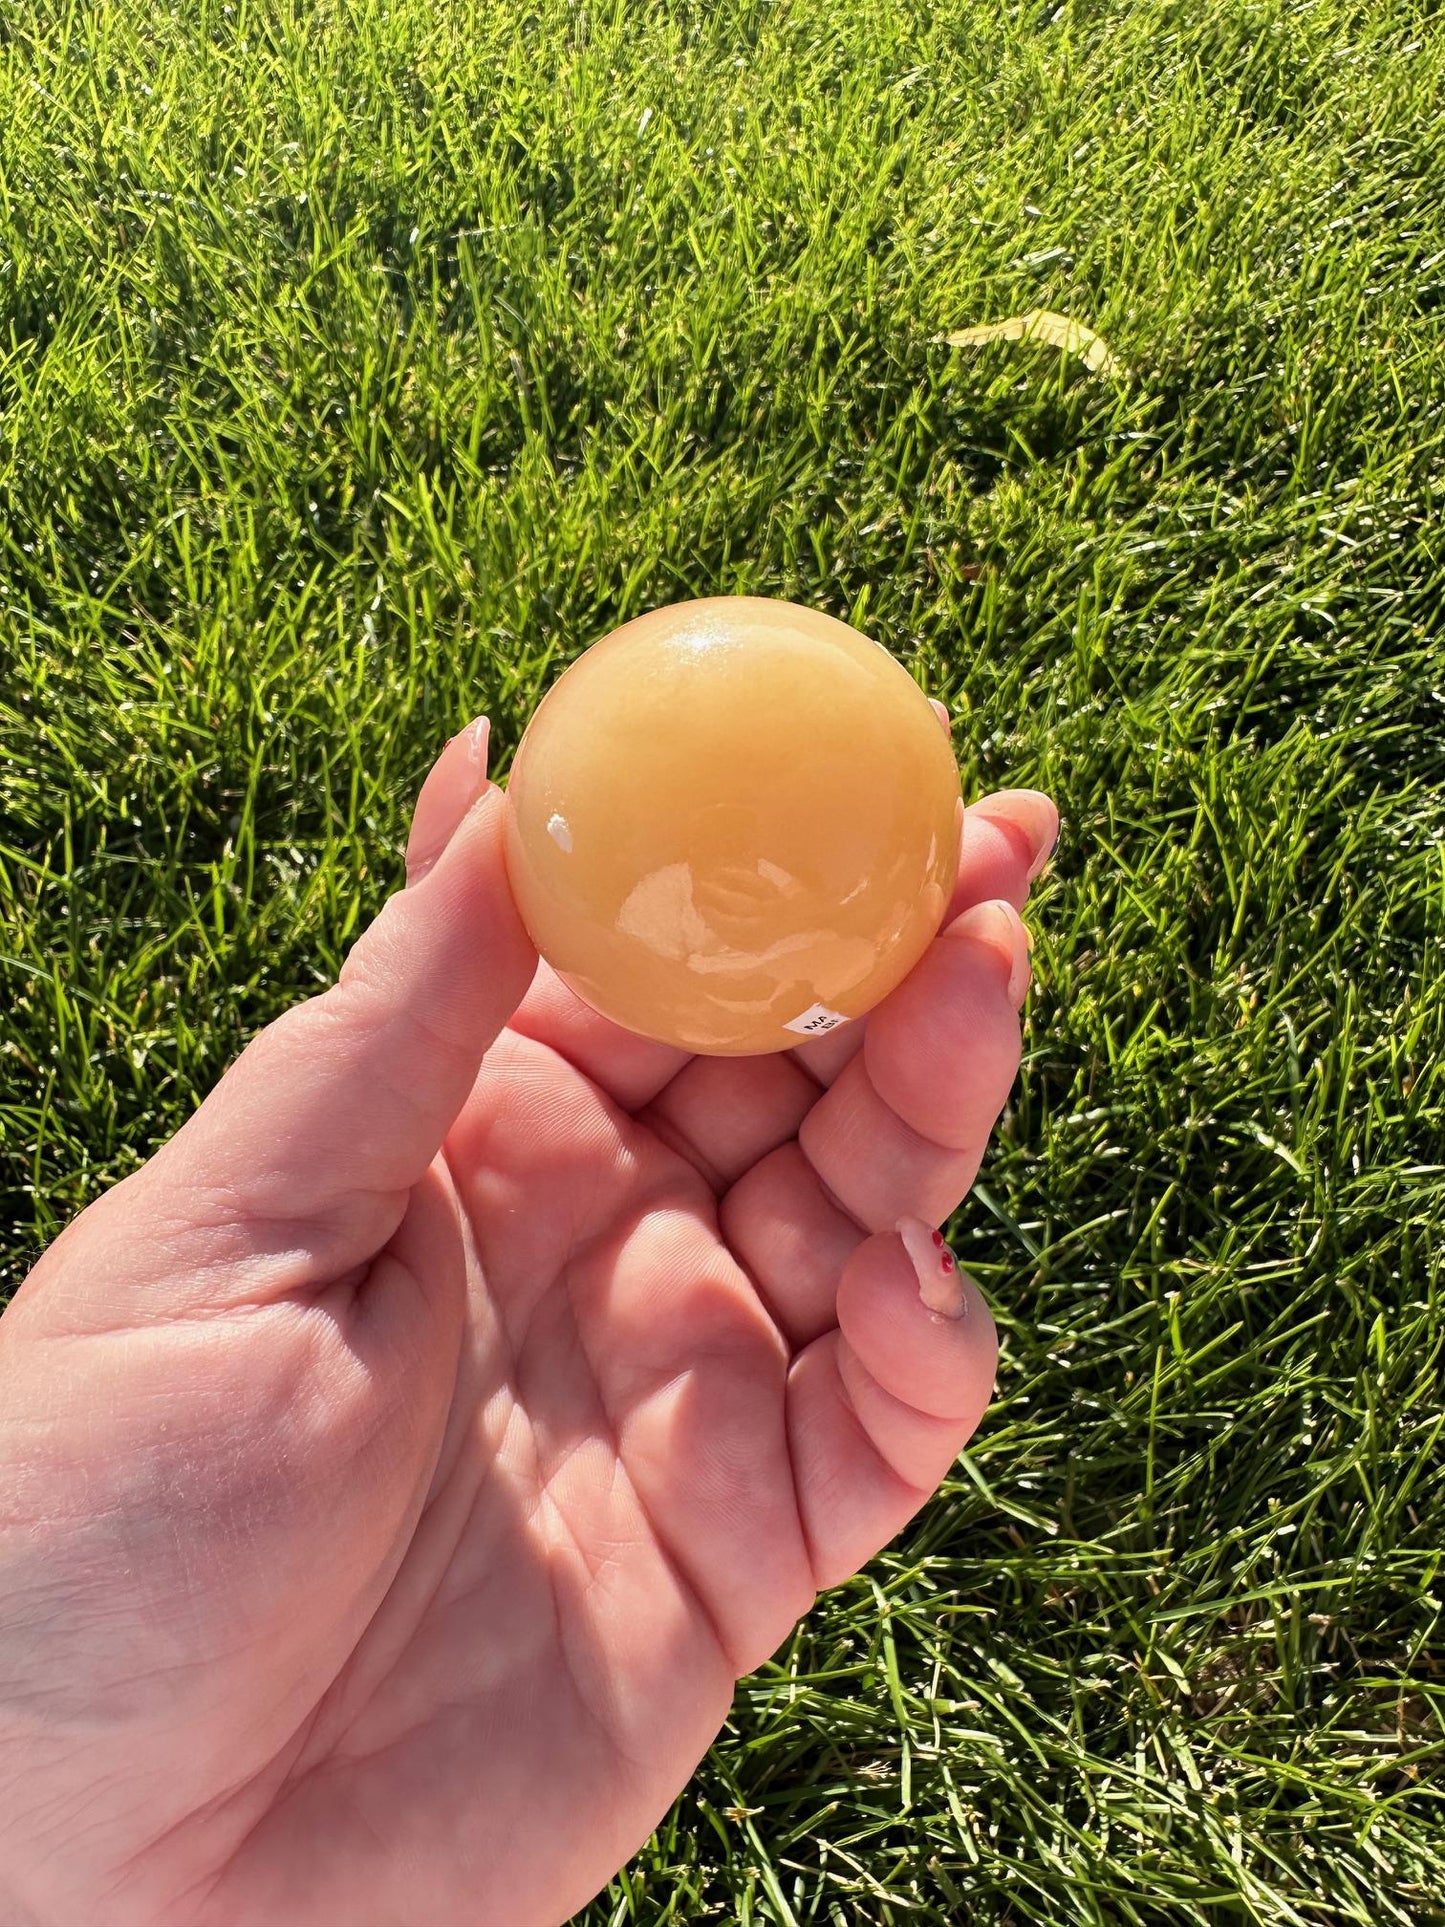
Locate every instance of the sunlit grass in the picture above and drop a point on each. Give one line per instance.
(359, 363)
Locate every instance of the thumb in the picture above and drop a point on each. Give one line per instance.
(316, 1134)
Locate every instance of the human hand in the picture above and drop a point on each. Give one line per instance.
(399, 1469)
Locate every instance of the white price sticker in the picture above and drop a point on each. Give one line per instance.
(816, 1021)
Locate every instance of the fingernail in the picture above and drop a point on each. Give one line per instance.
(1042, 863)
(457, 779)
(999, 927)
(477, 735)
(940, 1284)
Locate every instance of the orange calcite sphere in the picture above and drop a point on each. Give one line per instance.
(734, 824)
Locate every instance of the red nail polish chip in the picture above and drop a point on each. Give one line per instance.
(938, 1239)
(948, 1261)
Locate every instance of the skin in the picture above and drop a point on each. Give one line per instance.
(398, 1471)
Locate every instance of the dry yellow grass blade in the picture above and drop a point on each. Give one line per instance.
(1042, 324)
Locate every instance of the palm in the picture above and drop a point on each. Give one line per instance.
(611, 1522)
(472, 1543)
(583, 1585)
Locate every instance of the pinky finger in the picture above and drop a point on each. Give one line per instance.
(879, 1408)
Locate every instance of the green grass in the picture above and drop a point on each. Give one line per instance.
(359, 363)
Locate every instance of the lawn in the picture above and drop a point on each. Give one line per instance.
(361, 362)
